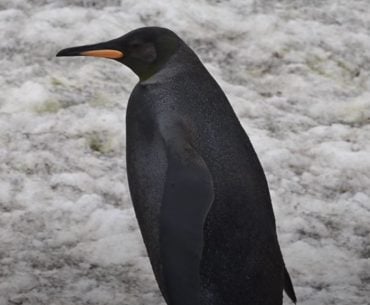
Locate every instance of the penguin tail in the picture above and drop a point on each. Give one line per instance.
(288, 286)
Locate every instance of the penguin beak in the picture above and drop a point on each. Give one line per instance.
(104, 49)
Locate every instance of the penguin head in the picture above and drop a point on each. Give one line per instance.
(143, 50)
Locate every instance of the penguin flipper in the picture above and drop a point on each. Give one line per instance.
(188, 196)
(288, 286)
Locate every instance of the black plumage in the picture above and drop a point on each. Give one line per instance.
(198, 189)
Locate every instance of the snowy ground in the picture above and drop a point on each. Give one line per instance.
(297, 74)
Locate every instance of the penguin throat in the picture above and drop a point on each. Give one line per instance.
(149, 71)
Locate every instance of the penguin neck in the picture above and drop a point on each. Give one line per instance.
(184, 59)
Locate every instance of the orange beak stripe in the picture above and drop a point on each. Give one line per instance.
(104, 53)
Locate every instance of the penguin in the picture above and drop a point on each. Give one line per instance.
(199, 191)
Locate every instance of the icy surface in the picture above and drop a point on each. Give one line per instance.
(297, 74)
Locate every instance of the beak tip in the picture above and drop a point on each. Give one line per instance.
(63, 52)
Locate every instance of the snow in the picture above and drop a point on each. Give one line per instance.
(296, 73)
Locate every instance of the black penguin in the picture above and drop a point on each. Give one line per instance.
(198, 189)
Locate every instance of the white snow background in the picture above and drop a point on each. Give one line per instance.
(297, 75)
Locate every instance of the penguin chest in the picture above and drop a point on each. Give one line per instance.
(146, 170)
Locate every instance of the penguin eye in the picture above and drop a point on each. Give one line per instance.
(144, 51)
(135, 45)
